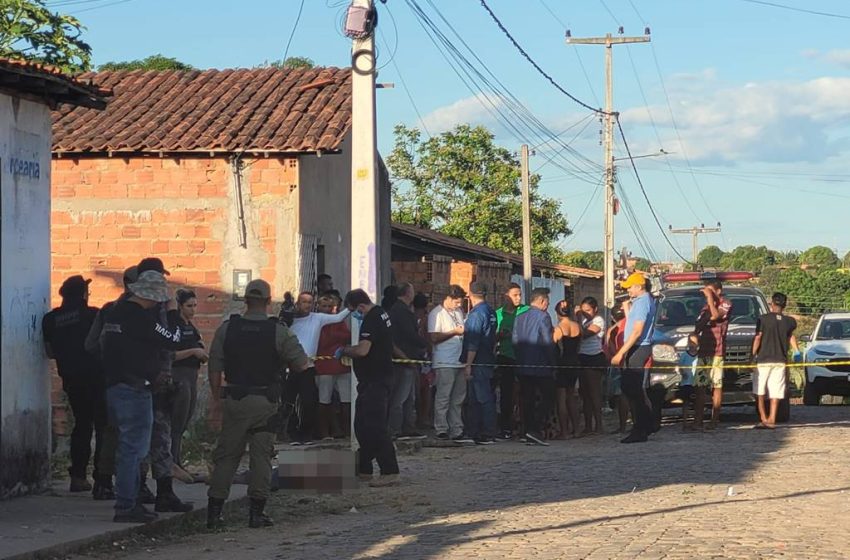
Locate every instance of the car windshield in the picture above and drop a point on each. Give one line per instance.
(682, 308)
(834, 329)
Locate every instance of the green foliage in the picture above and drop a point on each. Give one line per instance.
(642, 264)
(593, 260)
(294, 62)
(750, 258)
(711, 256)
(846, 260)
(464, 185)
(29, 30)
(156, 62)
(819, 256)
(813, 291)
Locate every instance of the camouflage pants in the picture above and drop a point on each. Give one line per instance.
(159, 459)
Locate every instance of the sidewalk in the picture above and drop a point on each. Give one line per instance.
(57, 523)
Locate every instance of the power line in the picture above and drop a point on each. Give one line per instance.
(292, 34)
(575, 50)
(407, 92)
(101, 6)
(645, 196)
(796, 9)
(537, 67)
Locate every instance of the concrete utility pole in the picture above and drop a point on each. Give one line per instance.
(526, 222)
(696, 231)
(364, 180)
(609, 41)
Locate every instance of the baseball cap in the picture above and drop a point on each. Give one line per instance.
(478, 288)
(131, 274)
(74, 285)
(634, 279)
(152, 263)
(258, 289)
(150, 285)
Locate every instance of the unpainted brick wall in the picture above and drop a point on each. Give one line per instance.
(108, 213)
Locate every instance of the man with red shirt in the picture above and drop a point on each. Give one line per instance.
(711, 326)
(332, 375)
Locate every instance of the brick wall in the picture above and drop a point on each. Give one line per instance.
(108, 213)
(496, 275)
(429, 276)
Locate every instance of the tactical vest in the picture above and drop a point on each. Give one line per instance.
(250, 353)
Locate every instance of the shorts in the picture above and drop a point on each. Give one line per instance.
(614, 387)
(328, 383)
(709, 372)
(770, 380)
(566, 378)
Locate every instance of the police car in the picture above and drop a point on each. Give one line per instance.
(828, 346)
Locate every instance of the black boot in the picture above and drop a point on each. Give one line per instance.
(103, 489)
(145, 494)
(215, 519)
(256, 516)
(167, 500)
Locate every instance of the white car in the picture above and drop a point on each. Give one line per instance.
(829, 343)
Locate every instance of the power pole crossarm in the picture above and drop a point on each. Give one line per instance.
(608, 266)
(695, 232)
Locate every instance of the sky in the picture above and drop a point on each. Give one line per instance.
(750, 101)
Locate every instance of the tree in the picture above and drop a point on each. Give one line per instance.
(30, 31)
(846, 260)
(642, 264)
(820, 256)
(294, 62)
(156, 62)
(749, 258)
(464, 185)
(710, 257)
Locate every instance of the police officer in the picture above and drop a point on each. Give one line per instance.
(251, 350)
(65, 329)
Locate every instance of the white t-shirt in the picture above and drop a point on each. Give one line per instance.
(308, 329)
(592, 345)
(447, 353)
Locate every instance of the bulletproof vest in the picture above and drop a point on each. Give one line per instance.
(250, 352)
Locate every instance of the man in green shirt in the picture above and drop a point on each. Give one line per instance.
(505, 357)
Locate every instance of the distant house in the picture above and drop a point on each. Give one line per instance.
(227, 175)
(27, 94)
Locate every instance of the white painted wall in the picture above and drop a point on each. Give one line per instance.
(556, 291)
(25, 139)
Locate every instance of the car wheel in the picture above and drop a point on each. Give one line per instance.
(811, 396)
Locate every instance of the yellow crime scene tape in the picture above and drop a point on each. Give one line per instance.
(654, 367)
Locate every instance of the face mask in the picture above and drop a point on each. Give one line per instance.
(357, 314)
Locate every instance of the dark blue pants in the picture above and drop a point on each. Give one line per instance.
(480, 404)
(371, 428)
(131, 410)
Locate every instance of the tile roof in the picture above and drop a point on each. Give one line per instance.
(452, 246)
(260, 110)
(50, 83)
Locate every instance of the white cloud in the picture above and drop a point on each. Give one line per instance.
(469, 110)
(839, 57)
(775, 121)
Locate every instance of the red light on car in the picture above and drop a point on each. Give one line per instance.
(706, 276)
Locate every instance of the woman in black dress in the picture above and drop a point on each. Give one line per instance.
(568, 338)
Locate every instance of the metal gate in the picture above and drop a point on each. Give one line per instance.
(308, 246)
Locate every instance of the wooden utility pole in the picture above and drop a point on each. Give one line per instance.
(609, 41)
(364, 180)
(526, 223)
(696, 231)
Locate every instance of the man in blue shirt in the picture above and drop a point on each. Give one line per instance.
(634, 354)
(534, 344)
(479, 346)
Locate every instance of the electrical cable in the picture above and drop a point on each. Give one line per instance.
(499, 99)
(645, 196)
(407, 92)
(387, 44)
(795, 9)
(575, 226)
(292, 34)
(576, 51)
(537, 67)
(100, 6)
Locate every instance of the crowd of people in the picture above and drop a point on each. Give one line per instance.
(475, 376)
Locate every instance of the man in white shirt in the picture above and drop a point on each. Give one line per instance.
(307, 327)
(445, 328)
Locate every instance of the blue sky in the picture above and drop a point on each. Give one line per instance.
(759, 97)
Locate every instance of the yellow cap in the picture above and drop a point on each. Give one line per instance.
(634, 279)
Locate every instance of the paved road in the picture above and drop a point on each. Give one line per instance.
(588, 498)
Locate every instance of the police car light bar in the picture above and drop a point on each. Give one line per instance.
(707, 276)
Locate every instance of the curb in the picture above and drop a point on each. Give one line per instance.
(158, 527)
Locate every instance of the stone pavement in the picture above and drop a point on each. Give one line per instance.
(49, 524)
(733, 493)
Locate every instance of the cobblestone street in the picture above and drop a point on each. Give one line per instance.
(734, 493)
